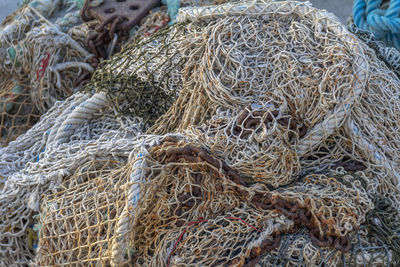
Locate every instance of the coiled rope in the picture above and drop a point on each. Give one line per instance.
(383, 23)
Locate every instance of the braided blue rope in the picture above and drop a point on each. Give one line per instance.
(384, 24)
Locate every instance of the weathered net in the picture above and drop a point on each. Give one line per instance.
(287, 152)
(78, 131)
(17, 112)
(143, 80)
(78, 222)
(268, 105)
(243, 132)
(389, 55)
(35, 53)
(179, 221)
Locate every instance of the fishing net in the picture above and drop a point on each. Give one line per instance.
(36, 164)
(234, 119)
(279, 154)
(249, 101)
(179, 222)
(389, 55)
(153, 22)
(27, 147)
(18, 113)
(146, 77)
(78, 223)
(374, 126)
(143, 80)
(46, 61)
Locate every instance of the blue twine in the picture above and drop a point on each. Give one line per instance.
(172, 9)
(384, 24)
(38, 156)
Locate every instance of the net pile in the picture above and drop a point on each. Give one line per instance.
(271, 139)
(52, 151)
(221, 106)
(195, 210)
(35, 53)
(265, 106)
(145, 78)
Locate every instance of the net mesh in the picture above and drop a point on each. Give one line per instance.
(36, 55)
(280, 154)
(36, 165)
(179, 222)
(18, 113)
(263, 106)
(79, 221)
(144, 79)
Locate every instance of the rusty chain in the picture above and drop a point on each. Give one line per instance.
(249, 119)
(301, 216)
(106, 34)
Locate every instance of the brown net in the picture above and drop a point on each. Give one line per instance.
(276, 161)
(263, 106)
(237, 70)
(17, 113)
(187, 190)
(78, 224)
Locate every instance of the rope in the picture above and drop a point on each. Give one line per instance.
(384, 24)
(83, 113)
(123, 226)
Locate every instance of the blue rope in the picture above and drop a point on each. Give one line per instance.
(384, 24)
(172, 9)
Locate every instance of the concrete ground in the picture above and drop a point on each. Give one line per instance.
(7, 7)
(342, 8)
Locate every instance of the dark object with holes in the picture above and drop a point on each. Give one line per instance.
(129, 11)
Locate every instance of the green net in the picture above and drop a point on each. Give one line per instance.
(143, 80)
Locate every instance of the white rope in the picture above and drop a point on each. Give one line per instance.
(84, 112)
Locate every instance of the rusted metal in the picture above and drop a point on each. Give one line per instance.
(301, 215)
(116, 18)
(130, 12)
(249, 119)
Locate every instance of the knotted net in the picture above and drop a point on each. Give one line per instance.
(275, 162)
(195, 210)
(264, 105)
(78, 137)
(36, 55)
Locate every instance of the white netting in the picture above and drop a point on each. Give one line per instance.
(38, 162)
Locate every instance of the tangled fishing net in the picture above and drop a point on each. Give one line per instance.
(38, 56)
(264, 105)
(185, 186)
(271, 138)
(36, 163)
